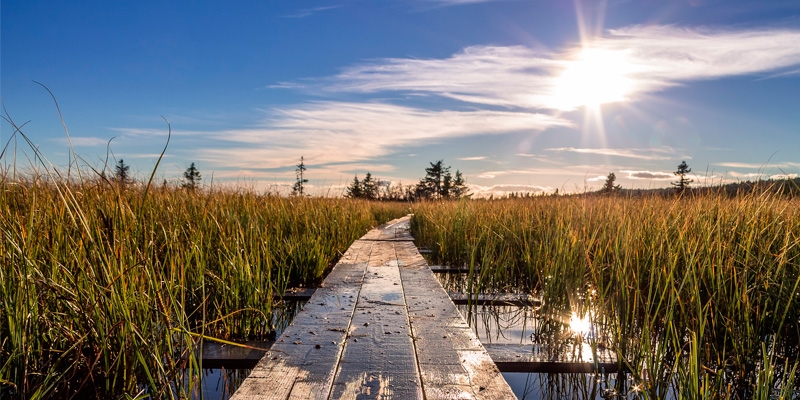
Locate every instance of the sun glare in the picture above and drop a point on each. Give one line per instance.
(580, 326)
(593, 77)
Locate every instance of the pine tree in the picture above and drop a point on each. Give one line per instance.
(459, 188)
(121, 175)
(609, 186)
(430, 187)
(299, 185)
(683, 182)
(191, 178)
(369, 187)
(438, 183)
(354, 191)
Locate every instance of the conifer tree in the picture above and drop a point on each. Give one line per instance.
(609, 186)
(121, 175)
(191, 178)
(299, 185)
(354, 191)
(683, 182)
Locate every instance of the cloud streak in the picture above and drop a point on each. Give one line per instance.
(641, 154)
(307, 12)
(652, 175)
(341, 132)
(655, 58)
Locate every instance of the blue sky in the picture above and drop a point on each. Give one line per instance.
(518, 95)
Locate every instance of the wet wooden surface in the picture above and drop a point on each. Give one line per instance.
(479, 299)
(566, 359)
(507, 357)
(380, 327)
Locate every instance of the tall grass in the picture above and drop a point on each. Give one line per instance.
(698, 296)
(105, 291)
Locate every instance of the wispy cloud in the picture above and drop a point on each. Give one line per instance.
(598, 178)
(458, 2)
(642, 154)
(307, 12)
(655, 58)
(340, 132)
(652, 175)
(479, 158)
(758, 166)
(502, 190)
(84, 141)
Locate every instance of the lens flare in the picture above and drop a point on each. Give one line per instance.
(593, 77)
(580, 326)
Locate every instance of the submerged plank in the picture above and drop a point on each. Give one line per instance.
(527, 358)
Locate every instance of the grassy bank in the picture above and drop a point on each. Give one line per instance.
(699, 296)
(104, 291)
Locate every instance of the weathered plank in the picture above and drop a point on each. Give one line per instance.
(303, 360)
(396, 230)
(380, 326)
(527, 358)
(479, 299)
(452, 361)
(379, 359)
(507, 357)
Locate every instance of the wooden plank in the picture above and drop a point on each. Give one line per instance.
(527, 358)
(218, 355)
(380, 326)
(497, 299)
(395, 230)
(481, 299)
(507, 357)
(379, 359)
(452, 362)
(303, 360)
(444, 269)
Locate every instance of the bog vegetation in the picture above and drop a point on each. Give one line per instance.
(107, 285)
(699, 296)
(106, 290)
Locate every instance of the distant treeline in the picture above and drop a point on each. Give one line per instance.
(785, 187)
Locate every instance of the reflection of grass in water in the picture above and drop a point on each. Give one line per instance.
(697, 295)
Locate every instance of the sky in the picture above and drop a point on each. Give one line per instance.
(519, 96)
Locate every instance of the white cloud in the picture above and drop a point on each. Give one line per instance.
(652, 175)
(785, 164)
(655, 57)
(338, 132)
(479, 158)
(642, 154)
(458, 2)
(597, 178)
(486, 176)
(502, 190)
(84, 141)
(307, 12)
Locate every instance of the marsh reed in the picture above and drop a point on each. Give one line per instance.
(699, 296)
(106, 290)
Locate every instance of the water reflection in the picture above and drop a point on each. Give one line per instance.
(219, 384)
(571, 386)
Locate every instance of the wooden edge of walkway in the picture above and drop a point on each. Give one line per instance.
(380, 326)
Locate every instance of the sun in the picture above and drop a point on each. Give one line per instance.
(594, 76)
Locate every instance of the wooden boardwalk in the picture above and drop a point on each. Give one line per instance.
(380, 326)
